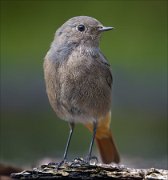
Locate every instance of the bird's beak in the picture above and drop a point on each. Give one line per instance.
(103, 28)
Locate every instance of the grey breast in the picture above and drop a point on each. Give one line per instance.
(78, 84)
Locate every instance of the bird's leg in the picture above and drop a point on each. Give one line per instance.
(86, 161)
(71, 125)
(89, 156)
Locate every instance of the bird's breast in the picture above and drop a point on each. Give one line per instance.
(78, 88)
(84, 86)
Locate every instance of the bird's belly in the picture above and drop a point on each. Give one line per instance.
(82, 100)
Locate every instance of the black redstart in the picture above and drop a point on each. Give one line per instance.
(79, 82)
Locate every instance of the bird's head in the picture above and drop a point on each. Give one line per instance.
(81, 29)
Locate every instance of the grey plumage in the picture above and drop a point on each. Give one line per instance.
(77, 75)
(79, 83)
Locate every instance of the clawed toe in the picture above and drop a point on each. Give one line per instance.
(84, 162)
(78, 162)
(92, 160)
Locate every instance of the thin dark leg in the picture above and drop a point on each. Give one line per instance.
(92, 141)
(89, 157)
(71, 125)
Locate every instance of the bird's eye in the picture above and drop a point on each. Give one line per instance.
(81, 27)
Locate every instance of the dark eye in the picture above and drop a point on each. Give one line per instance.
(81, 27)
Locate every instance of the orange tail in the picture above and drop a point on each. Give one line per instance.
(104, 140)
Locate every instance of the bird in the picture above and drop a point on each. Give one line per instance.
(78, 81)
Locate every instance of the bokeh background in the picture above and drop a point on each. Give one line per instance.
(137, 52)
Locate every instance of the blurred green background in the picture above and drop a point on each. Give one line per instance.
(137, 51)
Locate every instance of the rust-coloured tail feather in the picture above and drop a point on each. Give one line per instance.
(108, 150)
(104, 140)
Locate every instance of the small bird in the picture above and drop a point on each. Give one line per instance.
(78, 82)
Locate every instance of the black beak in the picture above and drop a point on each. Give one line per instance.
(103, 28)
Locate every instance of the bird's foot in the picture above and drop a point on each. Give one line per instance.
(77, 162)
(91, 160)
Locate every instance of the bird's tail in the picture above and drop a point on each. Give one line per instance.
(104, 140)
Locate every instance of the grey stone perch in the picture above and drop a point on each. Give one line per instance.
(79, 170)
